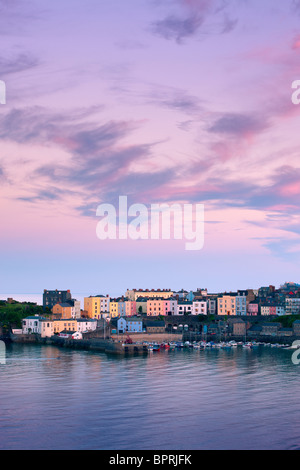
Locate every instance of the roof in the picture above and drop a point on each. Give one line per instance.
(235, 320)
(81, 320)
(33, 317)
(155, 323)
(255, 328)
(64, 304)
(65, 319)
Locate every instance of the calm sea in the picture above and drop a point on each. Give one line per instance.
(55, 398)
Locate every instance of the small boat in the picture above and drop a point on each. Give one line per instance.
(248, 345)
(226, 346)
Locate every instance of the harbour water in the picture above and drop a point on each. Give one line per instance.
(56, 398)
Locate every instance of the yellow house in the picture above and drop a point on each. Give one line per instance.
(66, 324)
(134, 294)
(96, 306)
(227, 305)
(113, 309)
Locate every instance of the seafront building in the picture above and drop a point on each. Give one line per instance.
(31, 324)
(63, 310)
(117, 307)
(97, 306)
(292, 305)
(130, 308)
(199, 307)
(227, 305)
(130, 325)
(65, 325)
(134, 294)
(232, 304)
(253, 308)
(184, 307)
(47, 328)
(266, 301)
(159, 306)
(53, 297)
(268, 310)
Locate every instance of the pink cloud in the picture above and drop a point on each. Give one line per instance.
(291, 189)
(296, 43)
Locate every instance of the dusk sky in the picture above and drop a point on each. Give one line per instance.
(163, 101)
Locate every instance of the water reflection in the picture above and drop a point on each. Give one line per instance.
(55, 398)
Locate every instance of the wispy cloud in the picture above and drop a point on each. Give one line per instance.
(17, 63)
(176, 28)
(99, 165)
(195, 16)
(238, 124)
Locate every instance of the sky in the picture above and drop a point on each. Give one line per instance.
(162, 101)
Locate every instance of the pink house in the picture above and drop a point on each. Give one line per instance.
(130, 308)
(252, 308)
(156, 307)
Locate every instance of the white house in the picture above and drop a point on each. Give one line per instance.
(32, 324)
(292, 305)
(77, 335)
(184, 307)
(86, 324)
(199, 307)
(46, 328)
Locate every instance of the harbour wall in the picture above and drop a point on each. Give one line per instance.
(96, 344)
